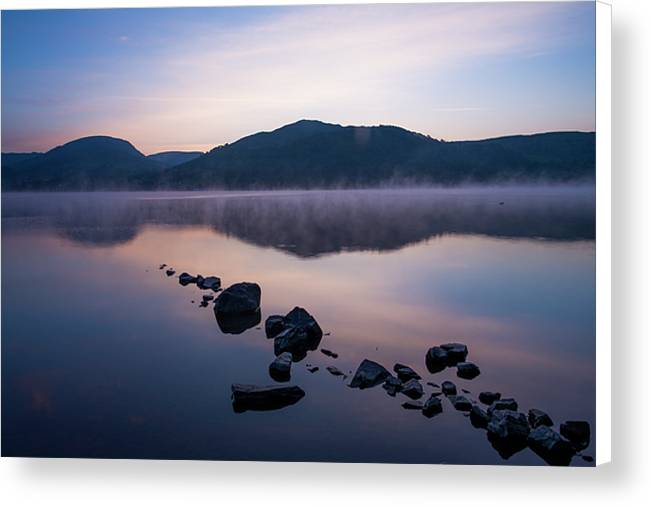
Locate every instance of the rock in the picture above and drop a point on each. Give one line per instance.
(412, 389)
(334, 371)
(489, 398)
(507, 403)
(465, 391)
(456, 352)
(460, 403)
(203, 303)
(436, 359)
(162, 266)
(550, 446)
(208, 297)
(264, 398)
(577, 432)
(506, 447)
(467, 370)
(413, 405)
(435, 385)
(239, 299)
(537, 418)
(405, 373)
(508, 424)
(185, 279)
(448, 388)
(313, 369)
(299, 333)
(369, 374)
(209, 283)
(236, 324)
(274, 325)
(170, 272)
(329, 353)
(432, 406)
(479, 418)
(392, 385)
(280, 368)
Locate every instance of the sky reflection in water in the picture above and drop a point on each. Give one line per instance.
(105, 356)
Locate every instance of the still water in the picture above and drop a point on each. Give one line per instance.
(103, 355)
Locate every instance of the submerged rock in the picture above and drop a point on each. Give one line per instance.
(467, 370)
(456, 352)
(329, 353)
(392, 385)
(537, 417)
(448, 388)
(550, 446)
(500, 404)
(239, 299)
(405, 373)
(577, 432)
(479, 418)
(415, 405)
(369, 374)
(412, 389)
(489, 398)
(185, 279)
(209, 283)
(280, 368)
(432, 406)
(264, 398)
(436, 359)
(297, 332)
(460, 403)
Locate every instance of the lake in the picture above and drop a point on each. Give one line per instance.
(104, 355)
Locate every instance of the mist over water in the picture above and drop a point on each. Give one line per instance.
(120, 362)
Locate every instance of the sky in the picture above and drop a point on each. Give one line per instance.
(195, 78)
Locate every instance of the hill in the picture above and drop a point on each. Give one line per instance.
(172, 158)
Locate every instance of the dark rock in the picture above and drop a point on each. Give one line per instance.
(392, 385)
(412, 389)
(334, 371)
(208, 297)
(478, 417)
(274, 325)
(507, 403)
(448, 388)
(432, 406)
(405, 373)
(280, 368)
(329, 353)
(313, 369)
(550, 446)
(413, 405)
(209, 283)
(436, 359)
(489, 398)
(369, 374)
(457, 352)
(236, 324)
(162, 266)
(460, 403)
(577, 432)
(467, 370)
(538, 417)
(465, 391)
(508, 424)
(170, 272)
(300, 333)
(435, 385)
(203, 303)
(264, 398)
(239, 299)
(185, 279)
(506, 447)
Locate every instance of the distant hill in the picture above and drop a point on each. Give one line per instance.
(89, 163)
(311, 154)
(9, 159)
(172, 158)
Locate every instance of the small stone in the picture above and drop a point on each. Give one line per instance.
(313, 369)
(478, 417)
(413, 405)
(577, 432)
(274, 325)
(329, 353)
(432, 406)
(501, 404)
(460, 403)
(412, 389)
(467, 370)
(203, 303)
(170, 272)
(392, 385)
(208, 297)
(334, 371)
(436, 359)
(457, 352)
(162, 266)
(505, 423)
(465, 391)
(369, 374)
(537, 417)
(209, 283)
(185, 279)
(280, 368)
(489, 398)
(405, 373)
(449, 388)
(435, 385)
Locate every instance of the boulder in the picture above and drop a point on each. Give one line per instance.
(478, 417)
(297, 332)
(448, 388)
(412, 389)
(432, 407)
(392, 385)
(436, 359)
(239, 299)
(577, 432)
(550, 446)
(405, 373)
(274, 325)
(329, 353)
(280, 368)
(489, 398)
(209, 283)
(185, 279)
(264, 398)
(508, 424)
(506, 447)
(236, 324)
(507, 403)
(467, 370)
(537, 418)
(415, 405)
(369, 374)
(460, 403)
(456, 352)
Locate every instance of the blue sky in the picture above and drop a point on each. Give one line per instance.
(196, 78)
